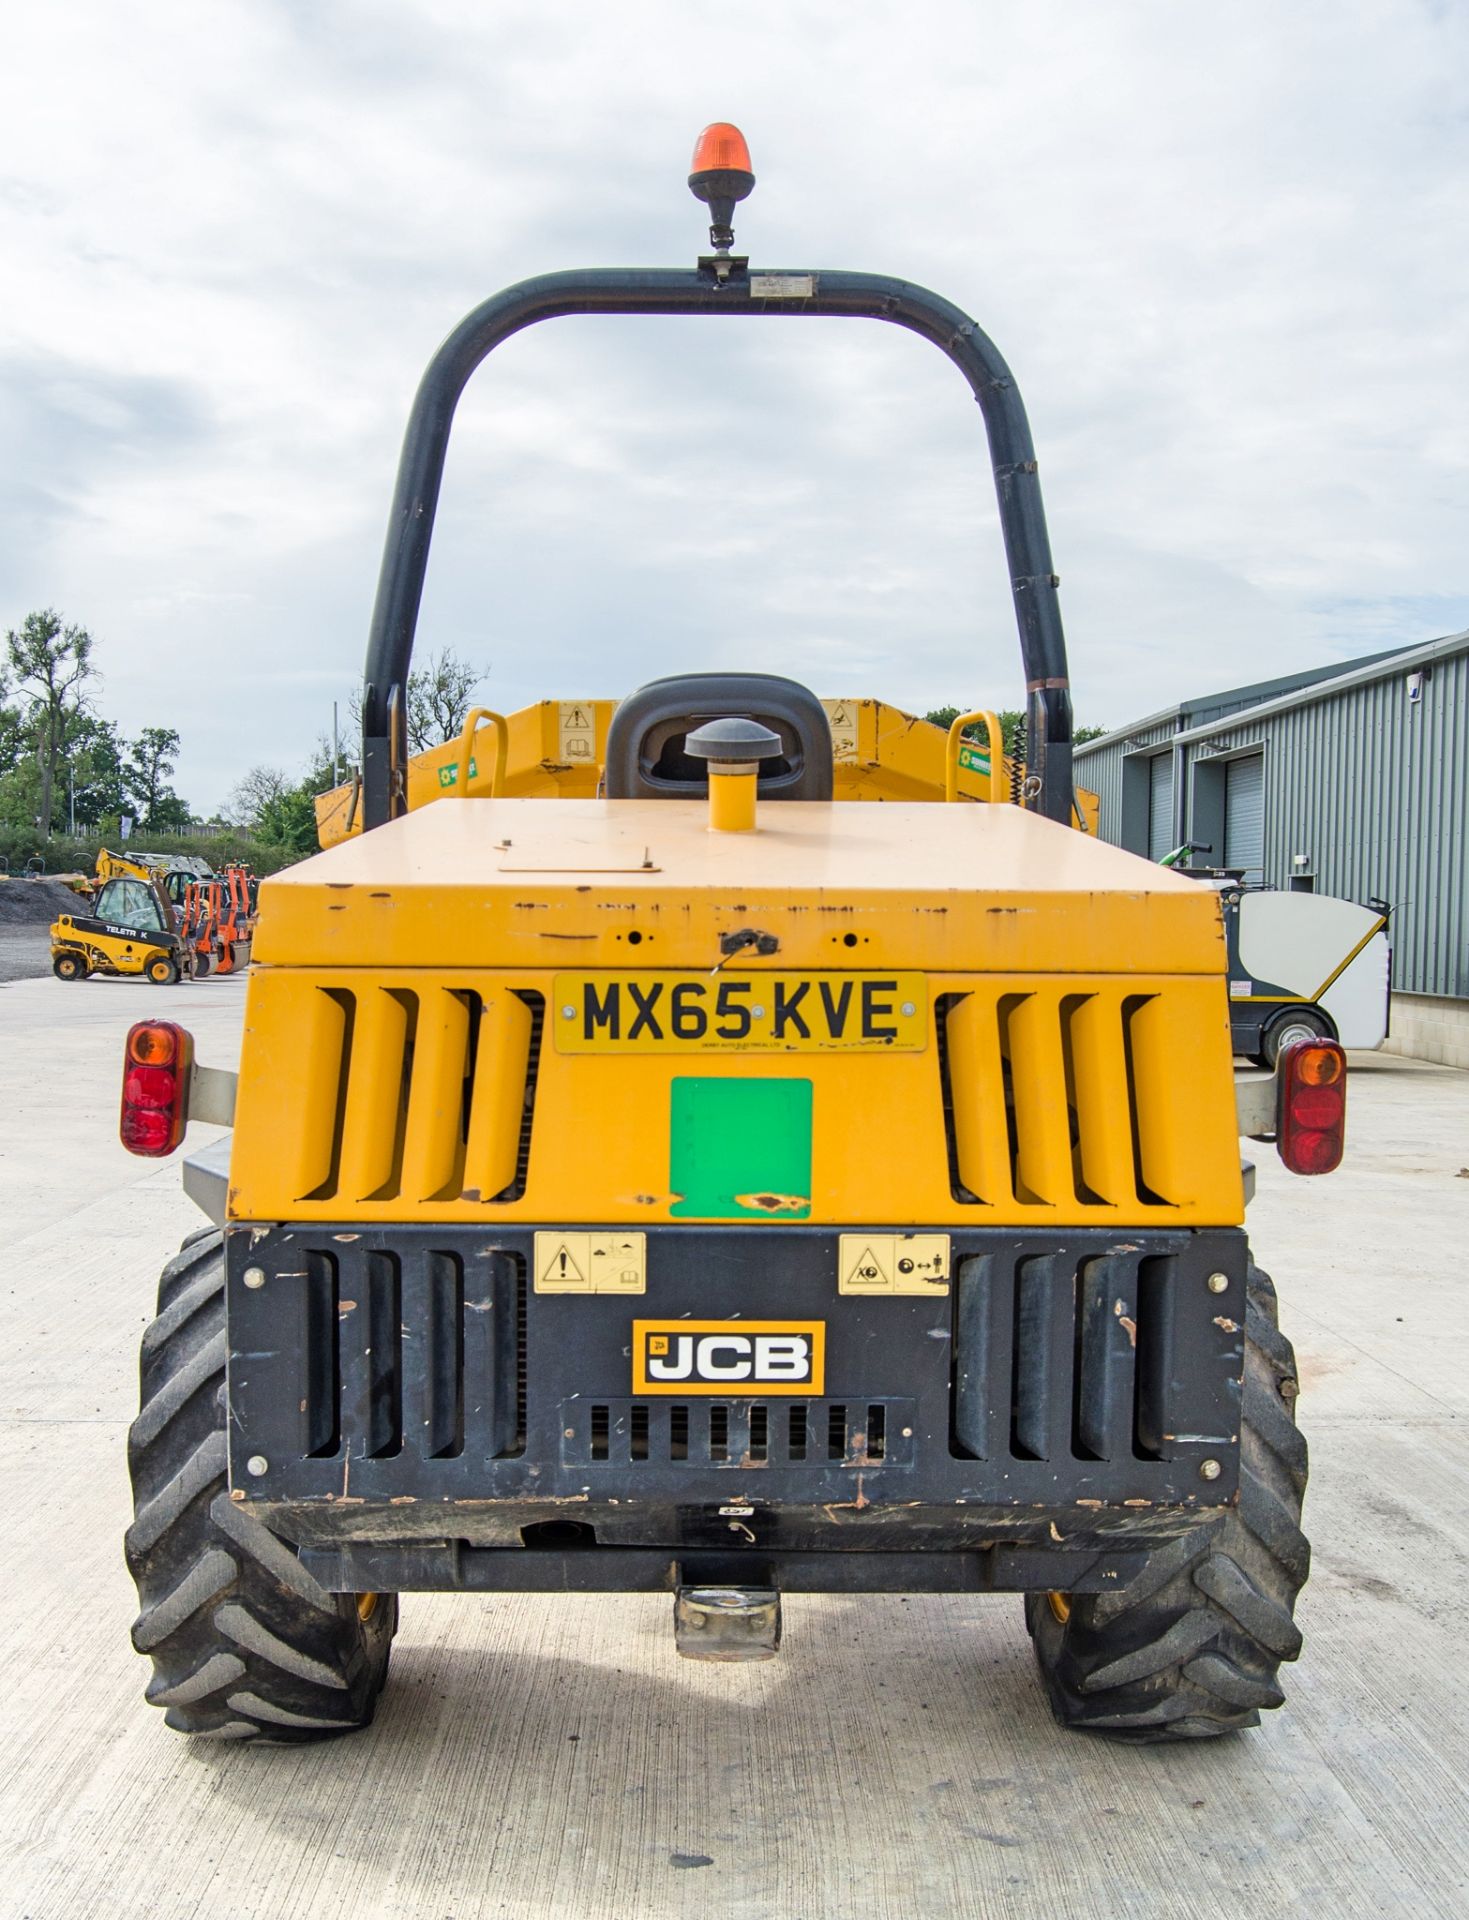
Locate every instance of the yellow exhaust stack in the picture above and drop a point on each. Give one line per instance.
(734, 749)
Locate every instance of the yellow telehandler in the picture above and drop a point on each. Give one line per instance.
(131, 927)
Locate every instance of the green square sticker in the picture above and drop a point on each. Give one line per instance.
(740, 1149)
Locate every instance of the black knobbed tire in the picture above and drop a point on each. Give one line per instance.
(245, 1644)
(70, 965)
(1191, 1649)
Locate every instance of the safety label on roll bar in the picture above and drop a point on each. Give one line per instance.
(782, 286)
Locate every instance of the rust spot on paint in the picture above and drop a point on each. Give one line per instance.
(773, 1202)
(1227, 1325)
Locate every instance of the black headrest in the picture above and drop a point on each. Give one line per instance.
(645, 742)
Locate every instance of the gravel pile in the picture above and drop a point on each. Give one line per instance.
(35, 903)
(27, 908)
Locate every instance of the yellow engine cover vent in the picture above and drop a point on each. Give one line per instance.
(424, 1094)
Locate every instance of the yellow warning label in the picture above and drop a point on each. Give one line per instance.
(562, 1268)
(576, 731)
(591, 1262)
(842, 718)
(893, 1263)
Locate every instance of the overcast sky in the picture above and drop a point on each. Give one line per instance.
(1225, 250)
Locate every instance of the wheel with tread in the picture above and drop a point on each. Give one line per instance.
(1299, 1023)
(162, 970)
(245, 1644)
(70, 966)
(1192, 1648)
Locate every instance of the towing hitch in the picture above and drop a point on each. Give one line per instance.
(727, 1623)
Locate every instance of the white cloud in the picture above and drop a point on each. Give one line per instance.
(1221, 248)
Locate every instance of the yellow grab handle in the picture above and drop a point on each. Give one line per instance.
(473, 721)
(994, 739)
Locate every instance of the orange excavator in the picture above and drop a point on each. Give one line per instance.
(219, 920)
(199, 923)
(237, 918)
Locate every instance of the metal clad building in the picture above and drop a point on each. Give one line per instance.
(1349, 780)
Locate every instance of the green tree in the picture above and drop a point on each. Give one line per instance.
(439, 698)
(151, 759)
(20, 794)
(281, 812)
(12, 727)
(52, 664)
(440, 695)
(1012, 720)
(97, 775)
(288, 822)
(261, 788)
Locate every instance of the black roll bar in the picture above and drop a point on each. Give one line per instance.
(720, 286)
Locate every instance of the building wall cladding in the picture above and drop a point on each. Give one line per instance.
(1372, 786)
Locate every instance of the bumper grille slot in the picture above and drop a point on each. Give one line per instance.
(444, 1423)
(736, 1433)
(405, 1355)
(1084, 1345)
(322, 1401)
(379, 1416)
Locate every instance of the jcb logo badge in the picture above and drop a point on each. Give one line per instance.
(728, 1356)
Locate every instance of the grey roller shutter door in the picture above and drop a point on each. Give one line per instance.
(1244, 815)
(1160, 805)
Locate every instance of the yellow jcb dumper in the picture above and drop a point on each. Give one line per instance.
(704, 1182)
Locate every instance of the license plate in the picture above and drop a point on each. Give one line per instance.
(740, 1013)
(728, 1356)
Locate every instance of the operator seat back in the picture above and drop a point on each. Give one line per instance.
(646, 759)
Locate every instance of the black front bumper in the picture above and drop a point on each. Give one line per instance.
(406, 1407)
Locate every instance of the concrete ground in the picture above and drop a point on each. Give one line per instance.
(551, 1756)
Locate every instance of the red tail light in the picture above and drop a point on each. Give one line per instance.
(155, 1087)
(1312, 1118)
